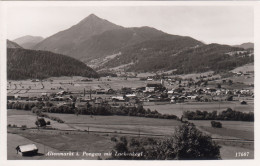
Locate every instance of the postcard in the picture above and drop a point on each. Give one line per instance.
(98, 82)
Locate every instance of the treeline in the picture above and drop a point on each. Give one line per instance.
(32, 64)
(198, 59)
(228, 114)
(90, 110)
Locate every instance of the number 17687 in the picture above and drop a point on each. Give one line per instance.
(242, 154)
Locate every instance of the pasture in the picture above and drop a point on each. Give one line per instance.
(230, 129)
(21, 118)
(113, 124)
(120, 124)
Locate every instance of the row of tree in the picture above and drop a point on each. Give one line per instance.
(90, 109)
(228, 114)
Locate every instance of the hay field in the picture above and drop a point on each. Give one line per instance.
(120, 124)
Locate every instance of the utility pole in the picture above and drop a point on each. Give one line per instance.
(90, 94)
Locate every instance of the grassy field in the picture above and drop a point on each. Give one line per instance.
(120, 124)
(245, 68)
(73, 84)
(73, 140)
(20, 118)
(115, 124)
(58, 142)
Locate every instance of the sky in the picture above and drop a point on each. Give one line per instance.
(209, 24)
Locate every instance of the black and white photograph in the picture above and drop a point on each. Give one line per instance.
(128, 81)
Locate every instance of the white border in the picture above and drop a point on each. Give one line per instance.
(3, 140)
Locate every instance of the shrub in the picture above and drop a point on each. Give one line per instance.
(113, 139)
(40, 122)
(216, 124)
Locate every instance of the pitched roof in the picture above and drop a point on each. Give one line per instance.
(27, 148)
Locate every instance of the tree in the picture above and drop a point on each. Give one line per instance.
(230, 82)
(190, 143)
(216, 124)
(187, 143)
(40, 122)
(219, 86)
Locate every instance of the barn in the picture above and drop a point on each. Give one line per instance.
(27, 150)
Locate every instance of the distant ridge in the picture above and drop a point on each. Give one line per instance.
(245, 45)
(11, 44)
(28, 42)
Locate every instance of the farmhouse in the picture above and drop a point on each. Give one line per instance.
(152, 87)
(27, 150)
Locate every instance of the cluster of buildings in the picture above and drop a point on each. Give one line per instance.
(154, 91)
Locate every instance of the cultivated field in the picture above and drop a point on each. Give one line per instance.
(72, 84)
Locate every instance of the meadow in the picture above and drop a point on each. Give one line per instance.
(73, 135)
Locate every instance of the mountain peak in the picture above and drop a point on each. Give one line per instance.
(91, 18)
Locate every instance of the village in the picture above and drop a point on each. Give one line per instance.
(156, 89)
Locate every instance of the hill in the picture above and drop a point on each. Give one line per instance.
(104, 45)
(95, 37)
(31, 64)
(113, 41)
(245, 45)
(154, 56)
(65, 42)
(28, 42)
(10, 44)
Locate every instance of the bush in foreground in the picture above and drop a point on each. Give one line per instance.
(187, 143)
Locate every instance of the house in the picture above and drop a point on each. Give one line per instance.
(170, 92)
(119, 98)
(27, 150)
(62, 93)
(131, 95)
(9, 97)
(101, 91)
(152, 87)
(98, 101)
